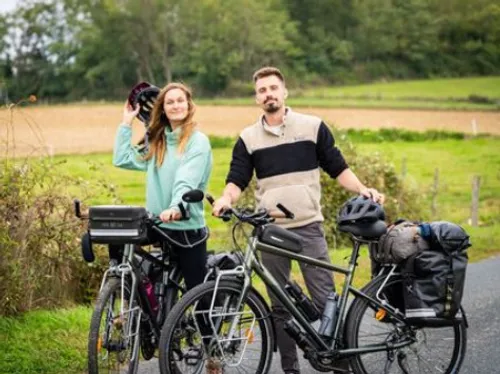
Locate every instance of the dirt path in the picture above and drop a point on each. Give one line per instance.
(91, 128)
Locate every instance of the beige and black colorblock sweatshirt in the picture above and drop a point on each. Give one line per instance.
(287, 165)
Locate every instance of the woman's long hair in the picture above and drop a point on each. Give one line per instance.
(159, 120)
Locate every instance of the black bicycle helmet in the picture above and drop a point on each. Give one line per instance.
(360, 209)
(144, 94)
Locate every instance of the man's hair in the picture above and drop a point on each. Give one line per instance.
(266, 71)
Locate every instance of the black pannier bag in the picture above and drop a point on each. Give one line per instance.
(434, 279)
(223, 261)
(117, 224)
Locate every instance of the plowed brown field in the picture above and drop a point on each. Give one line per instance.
(90, 128)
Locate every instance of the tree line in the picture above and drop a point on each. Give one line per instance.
(64, 50)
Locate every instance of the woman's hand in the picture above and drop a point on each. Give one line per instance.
(129, 113)
(170, 215)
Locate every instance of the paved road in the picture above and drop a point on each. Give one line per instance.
(482, 304)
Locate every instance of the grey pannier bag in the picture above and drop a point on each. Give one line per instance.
(401, 241)
(434, 279)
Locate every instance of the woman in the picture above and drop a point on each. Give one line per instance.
(178, 159)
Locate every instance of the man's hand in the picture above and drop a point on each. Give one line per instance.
(220, 205)
(170, 215)
(129, 113)
(373, 194)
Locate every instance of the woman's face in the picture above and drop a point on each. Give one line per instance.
(176, 105)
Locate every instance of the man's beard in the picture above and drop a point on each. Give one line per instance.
(271, 108)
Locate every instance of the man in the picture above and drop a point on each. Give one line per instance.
(286, 149)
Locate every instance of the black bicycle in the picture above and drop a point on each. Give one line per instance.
(233, 323)
(138, 289)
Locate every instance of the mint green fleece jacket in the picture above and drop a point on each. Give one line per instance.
(178, 174)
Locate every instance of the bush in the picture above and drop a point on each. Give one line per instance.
(373, 170)
(41, 264)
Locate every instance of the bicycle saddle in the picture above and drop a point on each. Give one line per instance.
(365, 229)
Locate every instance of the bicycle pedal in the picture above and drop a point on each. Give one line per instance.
(114, 347)
(193, 356)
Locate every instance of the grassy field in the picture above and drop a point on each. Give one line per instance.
(447, 94)
(45, 342)
(457, 160)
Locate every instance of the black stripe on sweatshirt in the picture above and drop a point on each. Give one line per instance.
(285, 158)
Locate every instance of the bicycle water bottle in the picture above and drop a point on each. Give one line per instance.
(329, 316)
(150, 292)
(302, 301)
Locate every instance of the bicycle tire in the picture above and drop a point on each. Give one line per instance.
(110, 293)
(426, 355)
(176, 318)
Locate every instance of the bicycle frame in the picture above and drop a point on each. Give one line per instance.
(127, 269)
(251, 264)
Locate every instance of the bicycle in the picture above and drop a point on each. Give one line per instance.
(370, 333)
(137, 290)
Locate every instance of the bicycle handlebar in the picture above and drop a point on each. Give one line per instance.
(255, 218)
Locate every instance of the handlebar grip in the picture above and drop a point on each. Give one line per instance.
(226, 215)
(287, 213)
(184, 212)
(78, 212)
(210, 199)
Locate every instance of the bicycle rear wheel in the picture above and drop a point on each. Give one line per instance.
(114, 336)
(436, 350)
(191, 336)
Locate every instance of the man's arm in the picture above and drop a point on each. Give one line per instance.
(240, 174)
(331, 160)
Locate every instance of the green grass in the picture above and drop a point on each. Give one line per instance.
(446, 94)
(457, 160)
(459, 88)
(45, 342)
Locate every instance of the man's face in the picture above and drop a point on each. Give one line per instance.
(270, 93)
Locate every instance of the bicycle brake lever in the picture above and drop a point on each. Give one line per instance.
(78, 212)
(287, 213)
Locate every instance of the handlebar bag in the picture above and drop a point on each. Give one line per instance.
(118, 224)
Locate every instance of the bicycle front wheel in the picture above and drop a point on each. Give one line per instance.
(114, 331)
(435, 350)
(238, 340)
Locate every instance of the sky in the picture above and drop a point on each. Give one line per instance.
(6, 5)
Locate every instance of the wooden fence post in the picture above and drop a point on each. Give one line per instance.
(403, 177)
(434, 194)
(476, 184)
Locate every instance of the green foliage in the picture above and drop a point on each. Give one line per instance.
(41, 263)
(97, 49)
(391, 135)
(221, 141)
(374, 171)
